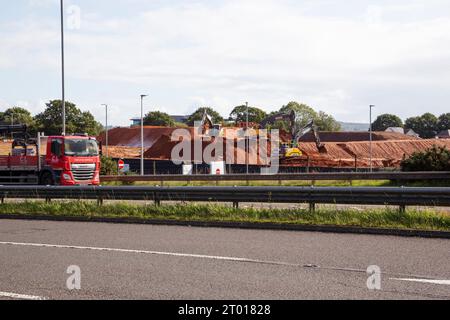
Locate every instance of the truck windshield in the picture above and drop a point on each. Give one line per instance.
(81, 148)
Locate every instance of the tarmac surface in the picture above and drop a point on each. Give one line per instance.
(168, 262)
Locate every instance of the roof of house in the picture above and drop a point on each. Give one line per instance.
(444, 134)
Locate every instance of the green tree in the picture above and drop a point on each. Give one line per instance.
(443, 122)
(18, 115)
(108, 167)
(239, 114)
(157, 118)
(386, 121)
(50, 121)
(198, 116)
(434, 159)
(425, 125)
(305, 113)
(326, 122)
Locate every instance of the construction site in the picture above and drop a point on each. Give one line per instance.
(301, 150)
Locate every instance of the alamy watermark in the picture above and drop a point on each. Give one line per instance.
(73, 17)
(74, 280)
(374, 280)
(232, 146)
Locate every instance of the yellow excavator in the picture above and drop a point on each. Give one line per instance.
(293, 148)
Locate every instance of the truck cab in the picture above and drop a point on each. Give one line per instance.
(71, 160)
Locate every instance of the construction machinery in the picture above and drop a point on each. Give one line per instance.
(67, 160)
(292, 149)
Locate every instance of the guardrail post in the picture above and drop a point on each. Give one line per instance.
(99, 201)
(157, 199)
(48, 200)
(403, 208)
(3, 200)
(236, 205)
(312, 207)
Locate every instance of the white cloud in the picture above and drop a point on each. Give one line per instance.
(265, 51)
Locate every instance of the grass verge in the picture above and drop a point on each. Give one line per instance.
(371, 218)
(303, 183)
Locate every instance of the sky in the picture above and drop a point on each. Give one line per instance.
(337, 56)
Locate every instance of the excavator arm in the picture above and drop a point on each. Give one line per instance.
(311, 127)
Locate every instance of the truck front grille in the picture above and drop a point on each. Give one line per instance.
(83, 172)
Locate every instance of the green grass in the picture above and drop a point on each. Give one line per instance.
(378, 218)
(338, 183)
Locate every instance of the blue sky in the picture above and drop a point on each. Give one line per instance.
(338, 56)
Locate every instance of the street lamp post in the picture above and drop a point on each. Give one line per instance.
(371, 139)
(142, 134)
(106, 127)
(63, 73)
(12, 123)
(247, 142)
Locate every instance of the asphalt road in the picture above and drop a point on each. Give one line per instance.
(159, 262)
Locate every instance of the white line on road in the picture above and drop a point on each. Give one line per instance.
(199, 256)
(441, 282)
(185, 255)
(20, 296)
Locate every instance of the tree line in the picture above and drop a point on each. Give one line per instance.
(77, 121)
(305, 114)
(426, 126)
(49, 121)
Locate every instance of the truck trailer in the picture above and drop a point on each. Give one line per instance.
(54, 160)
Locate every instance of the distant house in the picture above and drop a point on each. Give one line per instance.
(444, 134)
(408, 132)
(135, 122)
(396, 130)
(412, 133)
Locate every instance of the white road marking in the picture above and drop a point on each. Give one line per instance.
(441, 282)
(20, 296)
(200, 256)
(173, 254)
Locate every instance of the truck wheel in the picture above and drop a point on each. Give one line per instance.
(47, 179)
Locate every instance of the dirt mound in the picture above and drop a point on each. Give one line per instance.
(5, 148)
(384, 153)
(233, 150)
(122, 152)
(131, 137)
(356, 136)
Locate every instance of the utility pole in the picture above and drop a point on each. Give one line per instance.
(371, 139)
(142, 134)
(106, 127)
(63, 73)
(247, 142)
(12, 123)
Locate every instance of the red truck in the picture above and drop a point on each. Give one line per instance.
(55, 160)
